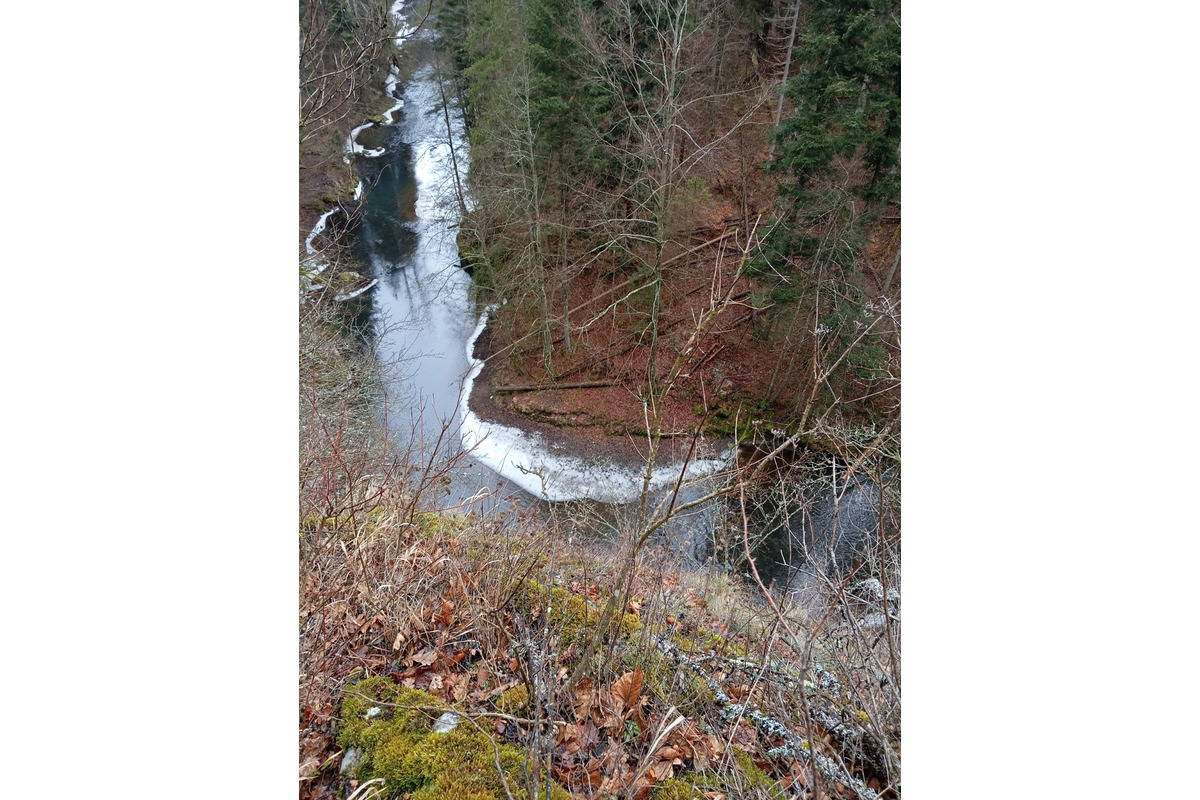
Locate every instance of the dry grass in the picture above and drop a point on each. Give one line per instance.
(698, 685)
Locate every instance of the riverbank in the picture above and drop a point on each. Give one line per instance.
(581, 422)
(325, 180)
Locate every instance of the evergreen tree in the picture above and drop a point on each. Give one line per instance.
(846, 95)
(837, 153)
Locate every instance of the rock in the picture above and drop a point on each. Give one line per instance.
(350, 761)
(446, 722)
(873, 621)
(871, 588)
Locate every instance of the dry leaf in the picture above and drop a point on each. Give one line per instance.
(660, 771)
(589, 734)
(625, 689)
(592, 774)
(568, 740)
(400, 640)
(425, 658)
(584, 699)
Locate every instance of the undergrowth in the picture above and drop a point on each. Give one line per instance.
(573, 666)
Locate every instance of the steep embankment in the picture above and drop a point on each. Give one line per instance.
(751, 365)
(680, 240)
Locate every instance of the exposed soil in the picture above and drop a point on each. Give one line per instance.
(597, 423)
(721, 386)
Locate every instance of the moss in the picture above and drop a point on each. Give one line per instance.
(705, 641)
(569, 612)
(347, 524)
(706, 783)
(676, 789)
(668, 682)
(514, 700)
(398, 745)
(430, 523)
(755, 775)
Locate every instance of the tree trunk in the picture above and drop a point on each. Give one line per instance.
(787, 66)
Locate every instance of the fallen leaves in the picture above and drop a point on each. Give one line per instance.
(605, 737)
(424, 658)
(625, 690)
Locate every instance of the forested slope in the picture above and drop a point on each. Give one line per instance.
(635, 164)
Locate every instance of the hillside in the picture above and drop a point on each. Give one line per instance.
(647, 182)
(683, 218)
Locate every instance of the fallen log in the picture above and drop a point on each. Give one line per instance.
(793, 746)
(537, 387)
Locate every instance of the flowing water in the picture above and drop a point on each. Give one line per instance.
(420, 308)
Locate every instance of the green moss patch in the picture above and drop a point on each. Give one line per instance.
(569, 612)
(399, 745)
(431, 524)
(675, 789)
(513, 701)
(702, 784)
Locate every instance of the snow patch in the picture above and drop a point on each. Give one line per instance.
(353, 147)
(317, 230)
(402, 29)
(357, 292)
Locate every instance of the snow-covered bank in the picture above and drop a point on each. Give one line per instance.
(524, 458)
(389, 89)
(317, 230)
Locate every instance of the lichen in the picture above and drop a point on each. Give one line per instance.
(398, 745)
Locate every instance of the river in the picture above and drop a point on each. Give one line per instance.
(420, 308)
